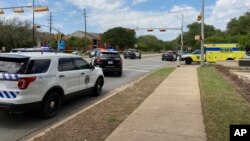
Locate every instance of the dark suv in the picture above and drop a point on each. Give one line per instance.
(168, 56)
(109, 61)
(132, 54)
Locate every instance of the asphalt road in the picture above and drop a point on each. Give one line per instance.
(16, 126)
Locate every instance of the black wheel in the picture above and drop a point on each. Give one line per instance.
(98, 87)
(119, 73)
(188, 61)
(51, 105)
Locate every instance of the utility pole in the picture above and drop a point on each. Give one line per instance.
(182, 19)
(33, 24)
(202, 34)
(85, 30)
(50, 27)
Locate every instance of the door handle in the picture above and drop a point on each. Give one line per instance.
(61, 76)
(82, 73)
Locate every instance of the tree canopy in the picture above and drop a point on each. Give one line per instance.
(15, 33)
(120, 37)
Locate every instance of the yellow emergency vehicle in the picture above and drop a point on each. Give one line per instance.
(215, 52)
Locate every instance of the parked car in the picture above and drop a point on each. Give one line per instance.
(76, 52)
(132, 54)
(168, 56)
(41, 81)
(110, 61)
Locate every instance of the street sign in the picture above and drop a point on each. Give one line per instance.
(61, 45)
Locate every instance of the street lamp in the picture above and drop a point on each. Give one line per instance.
(182, 20)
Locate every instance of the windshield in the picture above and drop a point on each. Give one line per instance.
(196, 52)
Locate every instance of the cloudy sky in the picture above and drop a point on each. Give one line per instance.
(137, 14)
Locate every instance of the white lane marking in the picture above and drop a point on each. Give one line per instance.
(136, 70)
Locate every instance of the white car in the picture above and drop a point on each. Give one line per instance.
(41, 80)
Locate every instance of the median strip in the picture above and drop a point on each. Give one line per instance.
(98, 121)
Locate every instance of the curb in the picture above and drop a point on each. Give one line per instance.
(110, 94)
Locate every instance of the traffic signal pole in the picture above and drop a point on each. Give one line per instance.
(202, 34)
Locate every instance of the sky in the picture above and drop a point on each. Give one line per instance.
(68, 17)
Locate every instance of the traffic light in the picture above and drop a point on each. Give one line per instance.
(18, 10)
(199, 18)
(162, 29)
(41, 9)
(150, 29)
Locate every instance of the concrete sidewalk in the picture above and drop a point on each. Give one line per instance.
(171, 113)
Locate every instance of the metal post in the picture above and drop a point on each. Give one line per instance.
(182, 18)
(85, 33)
(50, 28)
(202, 34)
(33, 32)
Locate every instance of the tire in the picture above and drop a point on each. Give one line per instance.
(51, 105)
(188, 61)
(98, 87)
(119, 73)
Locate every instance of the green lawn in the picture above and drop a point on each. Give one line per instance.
(221, 104)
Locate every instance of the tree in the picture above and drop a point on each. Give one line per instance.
(15, 33)
(121, 37)
(195, 29)
(240, 26)
(76, 43)
(244, 41)
(150, 43)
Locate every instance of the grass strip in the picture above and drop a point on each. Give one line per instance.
(97, 123)
(221, 104)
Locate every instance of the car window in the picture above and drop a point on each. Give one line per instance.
(37, 66)
(66, 64)
(197, 52)
(110, 55)
(80, 63)
(10, 67)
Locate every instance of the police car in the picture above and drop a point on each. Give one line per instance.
(41, 80)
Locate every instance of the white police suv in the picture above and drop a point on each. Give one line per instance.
(41, 80)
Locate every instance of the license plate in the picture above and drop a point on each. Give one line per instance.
(110, 62)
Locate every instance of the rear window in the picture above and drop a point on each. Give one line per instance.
(110, 55)
(10, 67)
(28, 67)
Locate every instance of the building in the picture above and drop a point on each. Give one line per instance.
(95, 38)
